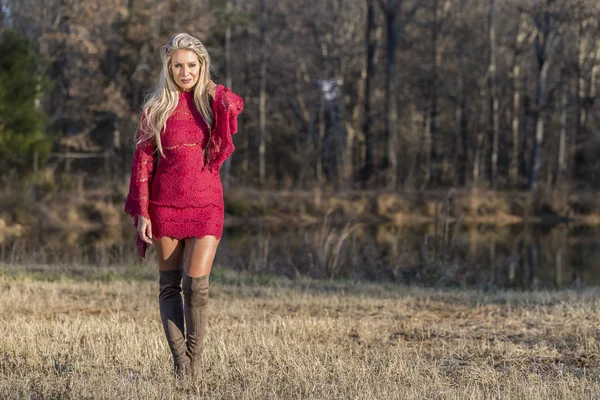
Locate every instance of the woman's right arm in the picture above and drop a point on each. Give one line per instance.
(137, 200)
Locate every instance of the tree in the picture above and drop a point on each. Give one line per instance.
(394, 30)
(369, 71)
(262, 109)
(23, 140)
(547, 24)
(493, 87)
(522, 35)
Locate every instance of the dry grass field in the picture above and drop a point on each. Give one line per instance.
(94, 333)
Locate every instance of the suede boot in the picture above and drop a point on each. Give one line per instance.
(195, 297)
(171, 314)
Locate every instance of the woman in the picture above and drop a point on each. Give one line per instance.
(175, 193)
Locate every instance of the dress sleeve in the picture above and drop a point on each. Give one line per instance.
(226, 108)
(234, 105)
(141, 177)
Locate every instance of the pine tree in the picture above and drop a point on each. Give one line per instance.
(22, 122)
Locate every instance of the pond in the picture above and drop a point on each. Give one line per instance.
(515, 256)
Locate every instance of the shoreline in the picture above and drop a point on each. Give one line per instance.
(94, 209)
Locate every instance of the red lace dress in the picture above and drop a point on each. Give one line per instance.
(182, 194)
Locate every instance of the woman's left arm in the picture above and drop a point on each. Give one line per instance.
(233, 105)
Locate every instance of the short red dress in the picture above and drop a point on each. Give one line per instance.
(181, 193)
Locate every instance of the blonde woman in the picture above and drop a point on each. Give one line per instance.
(175, 193)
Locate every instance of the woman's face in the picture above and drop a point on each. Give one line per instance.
(185, 68)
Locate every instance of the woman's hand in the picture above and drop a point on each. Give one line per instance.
(144, 228)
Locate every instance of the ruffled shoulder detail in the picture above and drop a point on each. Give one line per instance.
(233, 105)
(227, 105)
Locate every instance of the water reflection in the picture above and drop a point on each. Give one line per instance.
(515, 256)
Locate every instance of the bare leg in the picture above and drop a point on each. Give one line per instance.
(169, 253)
(170, 264)
(199, 255)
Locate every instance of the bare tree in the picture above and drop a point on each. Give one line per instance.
(461, 139)
(523, 33)
(547, 35)
(394, 29)
(369, 70)
(262, 110)
(493, 92)
(562, 141)
(587, 65)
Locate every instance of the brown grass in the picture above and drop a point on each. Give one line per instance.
(98, 336)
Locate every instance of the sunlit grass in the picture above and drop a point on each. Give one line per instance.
(96, 334)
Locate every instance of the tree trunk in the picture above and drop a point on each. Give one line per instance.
(390, 131)
(369, 71)
(246, 155)
(545, 44)
(562, 142)
(348, 154)
(558, 267)
(459, 152)
(390, 9)
(461, 145)
(226, 168)
(538, 138)
(477, 158)
(514, 156)
(353, 128)
(262, 101)
(595, 72)
(494, 104)
(319, 172)
(580, 90)
(433, 99)
(426, 149)
(478, 155)
(513, 169)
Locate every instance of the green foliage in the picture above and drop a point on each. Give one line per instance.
(22, 123)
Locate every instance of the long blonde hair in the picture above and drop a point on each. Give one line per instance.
(163, 100)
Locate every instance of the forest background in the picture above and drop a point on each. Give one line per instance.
(398, 96)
